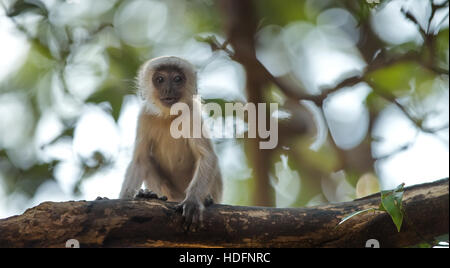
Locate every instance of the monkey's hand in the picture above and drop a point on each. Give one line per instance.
(148, 194)
(192, 209)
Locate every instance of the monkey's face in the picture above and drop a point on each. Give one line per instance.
(165, 81)
(169, 82)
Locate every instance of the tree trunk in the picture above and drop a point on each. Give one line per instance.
(240, 27)
(154, 223)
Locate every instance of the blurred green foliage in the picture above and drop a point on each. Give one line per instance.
(60, 41)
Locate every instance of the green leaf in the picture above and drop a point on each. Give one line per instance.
(283, 12)
(442, 48)
(400, 78)
(391, 202)
(355, 214)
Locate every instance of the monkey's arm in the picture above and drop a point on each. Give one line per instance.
(202, 181)
(142, 167)
(138, 171)
(133, 181)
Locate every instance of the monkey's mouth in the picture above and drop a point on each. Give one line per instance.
(169, 100)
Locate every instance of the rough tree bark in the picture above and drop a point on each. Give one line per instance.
(132, 223)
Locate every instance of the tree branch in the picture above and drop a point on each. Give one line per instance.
(127, 223)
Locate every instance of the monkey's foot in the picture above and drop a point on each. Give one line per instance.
(149, 194)
(101, 198)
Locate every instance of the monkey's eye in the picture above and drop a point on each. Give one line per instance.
(177, 79)
(159, 79)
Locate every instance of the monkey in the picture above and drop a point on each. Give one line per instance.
(184, 170)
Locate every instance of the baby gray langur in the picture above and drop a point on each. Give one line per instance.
(184, 170)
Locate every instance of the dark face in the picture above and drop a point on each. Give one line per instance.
(169, 82)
